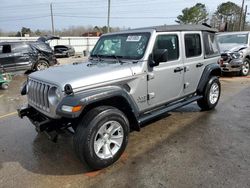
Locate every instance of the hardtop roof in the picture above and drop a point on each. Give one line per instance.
(189, 27)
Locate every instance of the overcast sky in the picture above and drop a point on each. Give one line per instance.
(35, 14)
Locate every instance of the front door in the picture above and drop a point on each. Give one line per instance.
(165, 81)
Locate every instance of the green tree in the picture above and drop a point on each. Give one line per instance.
(228, 14)
(38, 32)
(26, 30)
(23, 31)
(194, 15)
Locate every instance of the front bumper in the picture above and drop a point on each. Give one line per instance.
(40, 121)
(234, 65)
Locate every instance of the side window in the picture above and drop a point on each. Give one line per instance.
(169, 42)
(20, 47)
(6, 49)
(210, 45)
(192, 45)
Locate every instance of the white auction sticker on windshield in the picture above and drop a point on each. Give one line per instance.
(133, 38)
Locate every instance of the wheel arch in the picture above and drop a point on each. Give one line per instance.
(118, 102)
(210, 70)
(114, 96)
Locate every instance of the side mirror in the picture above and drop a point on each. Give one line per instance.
(159, 55)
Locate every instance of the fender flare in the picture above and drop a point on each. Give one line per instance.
(91, 96)
(211, 69)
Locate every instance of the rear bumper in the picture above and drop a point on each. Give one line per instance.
(61, 54)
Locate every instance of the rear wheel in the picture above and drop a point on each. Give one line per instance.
(245, 68)
(41, 65)
(4, 86)
(101, 137)
(211, 94)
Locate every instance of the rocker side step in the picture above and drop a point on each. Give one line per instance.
(149, 116)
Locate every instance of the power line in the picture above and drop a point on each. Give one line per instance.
(114, 17)
(27, 18)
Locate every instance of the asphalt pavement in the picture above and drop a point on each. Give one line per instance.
(186, 148)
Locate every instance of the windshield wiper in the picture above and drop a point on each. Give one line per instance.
(98, 57)
(117, 57)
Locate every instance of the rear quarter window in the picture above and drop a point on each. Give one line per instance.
(210, 44)
(22, 48)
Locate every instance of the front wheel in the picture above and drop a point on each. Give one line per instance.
(245, 68)
(211, 94)
(101, 137)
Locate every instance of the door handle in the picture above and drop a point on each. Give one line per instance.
(199, 65)
(178, 69)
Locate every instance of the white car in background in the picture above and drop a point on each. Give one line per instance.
(235, 52)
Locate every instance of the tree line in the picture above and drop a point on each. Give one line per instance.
(71, 31)
(226, 18)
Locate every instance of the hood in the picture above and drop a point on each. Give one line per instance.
(83, 74)
(231, 47)
(47, 38)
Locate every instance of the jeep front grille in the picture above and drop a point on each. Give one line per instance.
(38, 94)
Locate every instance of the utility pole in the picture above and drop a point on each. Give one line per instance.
(108, 16)
(245, 17)
(52, 19)
(241, 13)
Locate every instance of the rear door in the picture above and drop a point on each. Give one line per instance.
(194, 63)
(165, 81)
(201, 49)
(7, 59)
(23, 54)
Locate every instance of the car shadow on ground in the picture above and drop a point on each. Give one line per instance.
(35, 153)
(21, 144)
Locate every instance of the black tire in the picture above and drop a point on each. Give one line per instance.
(88, 130)
(245, 68)
(41, 65)
(206, 103)
(4, 86)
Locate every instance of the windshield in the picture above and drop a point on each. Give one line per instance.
(127, 46)
(233, 38)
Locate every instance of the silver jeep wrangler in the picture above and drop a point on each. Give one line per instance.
(130, 78)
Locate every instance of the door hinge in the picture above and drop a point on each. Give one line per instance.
(186, 68)
(151, 95)
(150, 76)
(186, 85)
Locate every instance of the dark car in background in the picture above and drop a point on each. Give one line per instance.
(64, 51)
(24, 55)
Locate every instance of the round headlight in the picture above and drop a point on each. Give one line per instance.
(54, 95)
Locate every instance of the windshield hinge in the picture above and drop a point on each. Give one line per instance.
(151, 96)
(150, 76)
